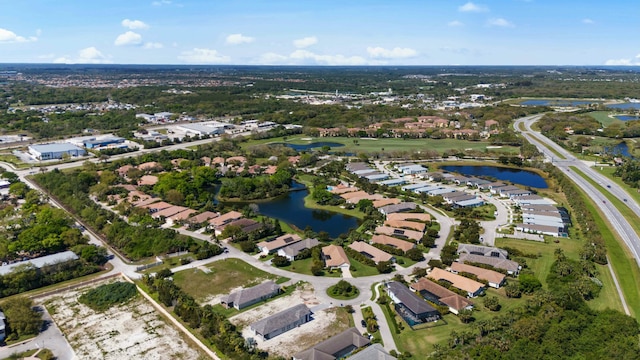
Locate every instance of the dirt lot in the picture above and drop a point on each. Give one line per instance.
(325, 323)
(130, 331)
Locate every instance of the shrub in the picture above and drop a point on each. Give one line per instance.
(104, 296)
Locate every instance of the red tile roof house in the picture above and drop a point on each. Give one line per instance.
(157, 206)
(180, 217)
(123, 170)
(168, 212)
(148, 180)
(150, 166)
(202, 219)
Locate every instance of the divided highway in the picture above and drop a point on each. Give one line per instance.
(619, 223)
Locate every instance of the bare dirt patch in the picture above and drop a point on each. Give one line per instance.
(130, 331)
(326, 323)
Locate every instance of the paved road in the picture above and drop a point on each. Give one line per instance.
(51, 338)
(615, 218)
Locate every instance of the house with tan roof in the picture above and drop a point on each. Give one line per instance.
(402, 224)
(335, 257)
(148, 180)
(510, 266)
(409, 216)
(384, 202)
(149, 166)
(206, 161)
(399, 233)
(371, 252)
(217, 160)
(353, 194)
(246, 225)
(124, 169)
(182, 216)
(202, 217)
(267, 247)
(372, 197)
(167, 212)
(493, 278)
(440, 295)
(471, 287)
(157, 206)
(393, 242)
(239, 159)
(224, 219)
(340, 189)
(143, 201)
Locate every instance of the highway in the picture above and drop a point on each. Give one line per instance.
(620, 225)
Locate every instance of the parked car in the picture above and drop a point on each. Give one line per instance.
(363, 323)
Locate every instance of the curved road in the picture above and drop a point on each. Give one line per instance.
(615, 218)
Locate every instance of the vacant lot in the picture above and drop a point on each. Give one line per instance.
(220, 277)
(326, 323)
(130, 331)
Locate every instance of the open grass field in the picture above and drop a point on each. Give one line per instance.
(304, 267)
(225, 275)
(360, 270)
(367, 145)
(604, 118)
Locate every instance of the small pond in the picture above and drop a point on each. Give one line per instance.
(552, 102)
(620, 149)
(627, 117)
(516, 176)
(290, 209)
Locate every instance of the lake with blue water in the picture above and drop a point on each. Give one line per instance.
(551, 102)
(290, 209)
(516, 176)
(627, 117)
(620, 149)
(625, 106)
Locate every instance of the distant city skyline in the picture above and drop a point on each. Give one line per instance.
(329, 32)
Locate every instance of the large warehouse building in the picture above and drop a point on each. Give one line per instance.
(54, 151)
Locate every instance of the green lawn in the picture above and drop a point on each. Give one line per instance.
(304, 267)
(225, 276)
(383, 144)
(604, 118)
(359, 269)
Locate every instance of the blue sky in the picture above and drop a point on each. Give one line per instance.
(327, 32)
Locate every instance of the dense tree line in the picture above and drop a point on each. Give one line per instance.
(135, 242)
(23, 320)
(258, 187)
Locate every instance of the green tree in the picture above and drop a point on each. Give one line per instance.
(22, 318)
(492, 303)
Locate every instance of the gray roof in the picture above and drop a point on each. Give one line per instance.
(373, 352)
(41, 261)
(295, 248)
(333, 346)
(404, 206)
(281, 319)
(497, 263)
(244, 296)
(56, 147)
(483, 250)
(409, 299)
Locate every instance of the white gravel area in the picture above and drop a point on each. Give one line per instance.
(130, 331)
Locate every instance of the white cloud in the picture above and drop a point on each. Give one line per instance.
(500, 22)
(587, 21)
(203, 56)
(623, 62)
(90, 55)
(471, 7)
(8, 36)
(272, 58)
(161, 2)
(395, 53)
(306, 56)
(305, 42)
(236, 39)
(153, 45)
(128, 38)
(455, 23)
(134, 24)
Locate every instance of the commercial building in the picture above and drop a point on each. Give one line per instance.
(55, 151)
